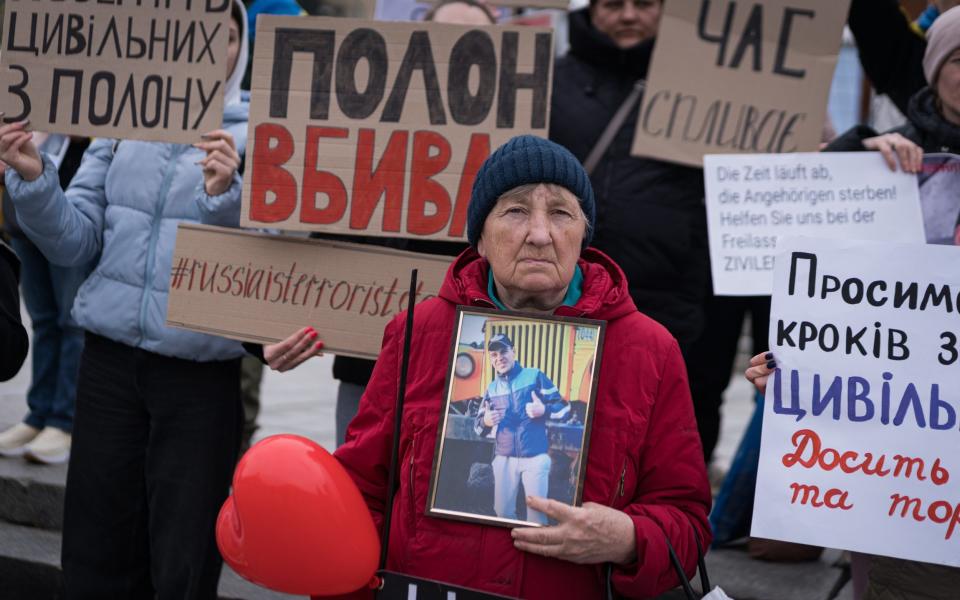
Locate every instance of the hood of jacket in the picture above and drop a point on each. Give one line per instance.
(605, 294)
(592, 46)
(231, 91)
(937, 134)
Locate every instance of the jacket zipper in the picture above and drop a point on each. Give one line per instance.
(413, 447)
(623, 477)
(154, 235)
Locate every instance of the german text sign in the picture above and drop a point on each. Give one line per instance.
(260, 288)
(375, 128)
(754, 200)
(860, 428)
(739, 76)
(151, 70)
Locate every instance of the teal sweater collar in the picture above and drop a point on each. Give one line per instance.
(574, 291)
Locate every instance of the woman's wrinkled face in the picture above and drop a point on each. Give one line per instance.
(948, 87)
(532, 239)
(233, 46)
(626, 22)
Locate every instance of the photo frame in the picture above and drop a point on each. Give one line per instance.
(518, 407)
(938, 181)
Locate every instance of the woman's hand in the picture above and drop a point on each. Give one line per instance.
(759, 370)
(588, 535)
(220, 163)
(18, 151)
(291, 352)
(893, 146)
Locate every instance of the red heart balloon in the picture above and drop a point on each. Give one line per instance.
(296, 522)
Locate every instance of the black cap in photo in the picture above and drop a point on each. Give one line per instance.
(499, 342)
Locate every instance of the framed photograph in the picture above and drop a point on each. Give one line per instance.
(938, 181)
(519, 404)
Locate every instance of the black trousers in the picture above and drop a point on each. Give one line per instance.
(711, 358)
(155, 440)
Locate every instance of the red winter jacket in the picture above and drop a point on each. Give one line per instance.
(643, 433)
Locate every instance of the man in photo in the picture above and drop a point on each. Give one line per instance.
(518, 403)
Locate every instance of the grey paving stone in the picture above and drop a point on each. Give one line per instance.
(234, 587)
(744, 578)
(32, 494)
(30, 568)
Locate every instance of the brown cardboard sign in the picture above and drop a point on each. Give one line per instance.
(152, 71)
(379, 128)
(256, 287)
(736, 76)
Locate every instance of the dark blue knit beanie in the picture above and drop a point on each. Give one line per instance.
(522, 160)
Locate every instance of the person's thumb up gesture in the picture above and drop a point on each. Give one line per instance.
(536, 408)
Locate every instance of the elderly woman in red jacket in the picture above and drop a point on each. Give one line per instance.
(529, 225)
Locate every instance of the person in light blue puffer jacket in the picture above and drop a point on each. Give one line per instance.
(158, 415)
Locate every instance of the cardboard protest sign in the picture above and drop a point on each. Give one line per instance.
(260, 288)
(754, 200)
(372, 128)
(858, 449)
(150, 71)
(739, 76)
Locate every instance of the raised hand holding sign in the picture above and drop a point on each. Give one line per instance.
(18, 151)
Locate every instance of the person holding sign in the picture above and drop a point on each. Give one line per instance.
(651, 216)
(518, 403)
(934, 112)
(158, 414)
(530, 222)
(354, 373)
(650, 213)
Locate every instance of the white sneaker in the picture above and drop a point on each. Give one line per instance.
(14, 441)
(50, 447)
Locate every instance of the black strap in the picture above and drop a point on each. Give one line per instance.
(701, 563)
(684, 582)
(675, 561)
(392, 483)
(613, 127)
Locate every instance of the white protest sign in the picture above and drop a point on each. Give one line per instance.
(754, 199)
(860, 430)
